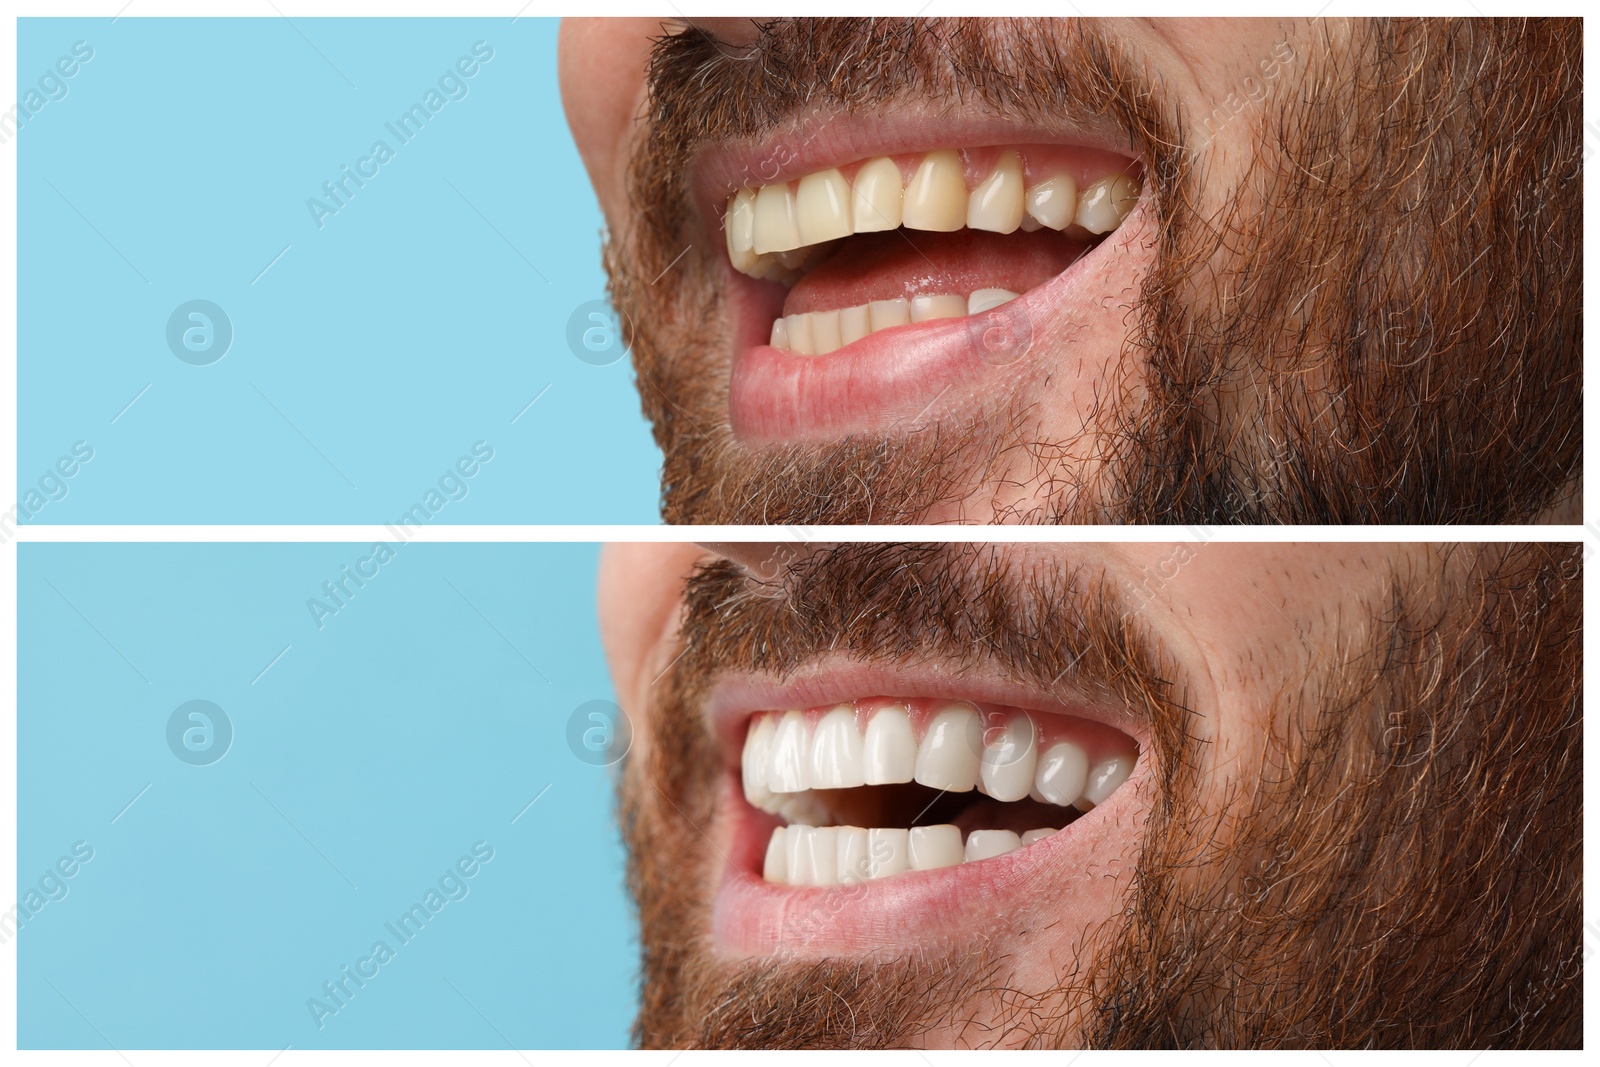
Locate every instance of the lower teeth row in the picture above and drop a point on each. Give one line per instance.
(845, 855)
(817, 333)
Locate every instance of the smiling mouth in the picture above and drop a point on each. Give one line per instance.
(893, 242)
(883, 787)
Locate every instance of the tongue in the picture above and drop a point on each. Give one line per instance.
(901, 263)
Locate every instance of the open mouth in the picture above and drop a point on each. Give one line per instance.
(881, 788)
(861, 248)
(866, 291)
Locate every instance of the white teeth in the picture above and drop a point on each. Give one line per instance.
(930, 306)
(932, 847)
(791, 752)
(824, 331)
(776, 868)
(771, 229)
(817, 333)
(889, 754)
(776, 227)
(1062, 774)
(800, 335)
(755, 759)
(850, 857)
(877, 196)
(740, 225)
(987, 844)
(854, 324)
(936, 199)
(822, 855)
(885, 314)
(1008, 761)
(823, 207)
(987, 299)
(996, 204)
(888, 853)
(785, 764)
(1106, 777)
(948, 756)
(797, 853)
(836, 751)
(1053, 201)
(1105, 203)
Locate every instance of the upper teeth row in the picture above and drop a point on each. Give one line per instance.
(783, 756)
(773, 219)
(816, 333)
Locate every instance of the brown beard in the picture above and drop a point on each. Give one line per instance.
(1405, 872)
(1381, 325)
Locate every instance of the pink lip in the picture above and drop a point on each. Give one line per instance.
(913, 376)
(1067, 872)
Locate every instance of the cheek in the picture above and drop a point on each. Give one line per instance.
(602, 65)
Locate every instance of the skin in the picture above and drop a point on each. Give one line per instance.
(1175, 380)
(1267, 646)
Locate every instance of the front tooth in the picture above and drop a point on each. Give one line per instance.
(822, 856)
(776, 868)
(1062, 774)
(936, 199)
(948, 756)
(1106, 203)
(987, 299)
(876, 200)
(889, 755)
(1051, 202)
(854, 324)
(932, 847)
(996, 205)
(851, 862)
(987, 844)
(777, 229)
(780, 334)
(1105, 777)
(740, 224)
(1007, 765)
(937, 306)
(791, 755)
(797, 855)
(823, 206)
(824, 332)
(1037, 835)
(888, 853)
(799, 329)
(836, 751)
(755, 758)
(886, 313)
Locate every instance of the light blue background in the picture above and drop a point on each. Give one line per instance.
(406, 729)
(377, 349)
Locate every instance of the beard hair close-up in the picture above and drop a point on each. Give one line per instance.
(1377, 320)
(1400, 864)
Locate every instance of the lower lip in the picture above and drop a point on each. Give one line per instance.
(1065, 873)
(911, 377)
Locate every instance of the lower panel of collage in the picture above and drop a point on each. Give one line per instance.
(794, 794)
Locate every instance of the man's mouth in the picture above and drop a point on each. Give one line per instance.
(885, 787)
(865, 289)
